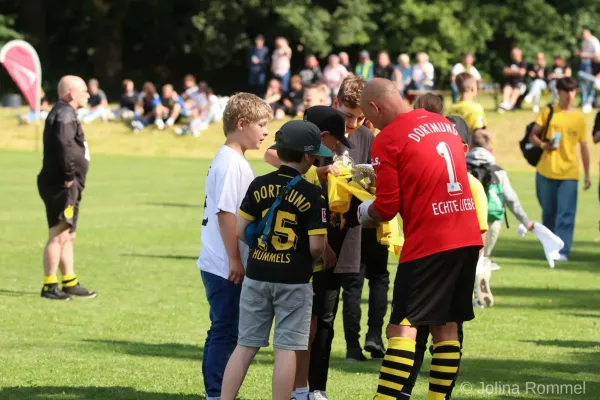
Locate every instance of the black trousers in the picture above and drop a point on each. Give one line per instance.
(421, 347)
(374, 259)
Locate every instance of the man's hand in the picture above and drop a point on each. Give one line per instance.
(236, 271)
(68, 184)
(322, 172)
(547, 146)
(364, 219)
(530, 226)
(329, 258)
(588, 183)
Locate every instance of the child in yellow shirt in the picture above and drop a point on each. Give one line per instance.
(469, 110)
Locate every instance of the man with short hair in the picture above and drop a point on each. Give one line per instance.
(98, 103)
(421, 171)
(258, 59)
(60, 184)
(169, 109)
(467, 108)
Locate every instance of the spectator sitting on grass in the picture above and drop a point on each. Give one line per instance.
(127, 102)
(274, 97)
(190, 94)
(312, 72)
(97, 103)
(32, 116)
(169, 109)
(514, 85)
(293, 99)
(538, 74)
(147, 103)
(560, 69)
(212, 111)
(195, 126)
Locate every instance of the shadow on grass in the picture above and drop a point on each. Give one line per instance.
(163, 256)
(17, 293)
(87, 393)
(176, 205)
(580, 299)
(571, 344)
(581, 315)
(584, 255)
(168, 350)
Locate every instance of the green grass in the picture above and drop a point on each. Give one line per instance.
(142, 337)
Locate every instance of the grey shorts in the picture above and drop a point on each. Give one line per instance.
(289, 304)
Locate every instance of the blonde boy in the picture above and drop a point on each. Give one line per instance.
(469, 110)
(222, 257)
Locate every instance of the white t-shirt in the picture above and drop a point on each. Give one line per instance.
(228, 179)
(459, 69)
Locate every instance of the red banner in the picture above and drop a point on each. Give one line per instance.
(23, 65)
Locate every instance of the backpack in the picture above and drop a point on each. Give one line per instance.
(532, 153)
(486, 174)
(263, 226)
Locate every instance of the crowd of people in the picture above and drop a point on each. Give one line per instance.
(273, 248)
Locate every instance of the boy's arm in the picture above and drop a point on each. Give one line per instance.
(317, 246)
(585, 158)
(242, 223)
(272, 158)
(228, 229)
(512, 200)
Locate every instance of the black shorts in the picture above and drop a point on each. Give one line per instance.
(62, 203)
(435, 289)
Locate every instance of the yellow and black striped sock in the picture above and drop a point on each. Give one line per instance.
(395, 368)
(444, 368)
(50, 280)
(69, 280)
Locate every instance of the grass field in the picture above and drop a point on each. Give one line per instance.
(142, 337)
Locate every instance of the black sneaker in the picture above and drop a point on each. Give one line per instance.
(52, 292)
(355, 355)
(79, 291)
(374, 345)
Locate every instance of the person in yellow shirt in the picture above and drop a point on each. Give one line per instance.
(558, 169)
(467, 108)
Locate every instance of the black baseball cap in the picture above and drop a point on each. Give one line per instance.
(462, 128)
(330, 120)
(301, 136)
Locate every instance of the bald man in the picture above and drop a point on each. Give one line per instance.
(421, 173)
(60, 184)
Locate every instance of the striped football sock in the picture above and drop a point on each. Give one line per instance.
(444, 368)
(395, 368)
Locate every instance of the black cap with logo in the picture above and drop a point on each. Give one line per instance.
(330, 120)
(301, 136)
(462, 128)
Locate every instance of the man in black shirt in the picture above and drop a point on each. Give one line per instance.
(386, 70)
(60, 184)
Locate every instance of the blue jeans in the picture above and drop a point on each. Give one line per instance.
(558, 199)
(285, 81)
(535, 90)
(224, 301)
(586, 83)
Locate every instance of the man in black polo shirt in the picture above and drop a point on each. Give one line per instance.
(60, 184)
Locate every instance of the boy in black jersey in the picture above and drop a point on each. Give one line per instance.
(277, 283)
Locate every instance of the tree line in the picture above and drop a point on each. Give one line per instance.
(161, 40)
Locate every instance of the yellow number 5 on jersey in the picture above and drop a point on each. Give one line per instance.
(284, 237)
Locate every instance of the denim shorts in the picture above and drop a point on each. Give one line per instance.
(289, 304)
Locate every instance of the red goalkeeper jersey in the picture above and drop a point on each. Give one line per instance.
(421, 172)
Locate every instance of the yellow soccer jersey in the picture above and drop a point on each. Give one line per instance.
(471, 112)
(563, 162)
(312, 177)
(480, 200)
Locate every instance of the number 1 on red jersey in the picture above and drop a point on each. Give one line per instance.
(454, 187)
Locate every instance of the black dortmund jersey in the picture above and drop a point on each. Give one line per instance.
(285, 258)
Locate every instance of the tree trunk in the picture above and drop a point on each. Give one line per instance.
(108, 59)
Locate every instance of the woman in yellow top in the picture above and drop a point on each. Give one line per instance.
(558, 169)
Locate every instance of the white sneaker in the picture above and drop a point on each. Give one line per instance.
(535, 109)
(587, 108)
(482, 291)
(170, 122)
(494, 267)
(560, 257)
(137, 126)
(318, 395)
(160, 124)
(528, 99)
